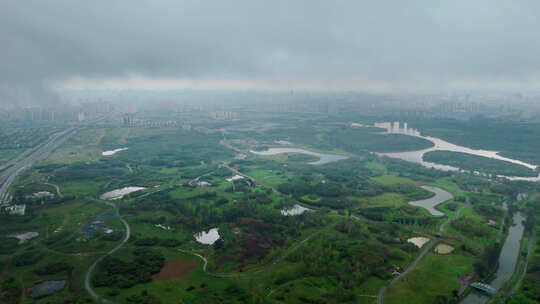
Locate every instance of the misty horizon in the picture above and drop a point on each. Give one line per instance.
(387, 47)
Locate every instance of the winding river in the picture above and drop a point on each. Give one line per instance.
(442, 145)
(430, 203)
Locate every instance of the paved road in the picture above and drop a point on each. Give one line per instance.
(87, 284)
(419, 257)
(411, 267)
(58, 192)
(39, 153)
(456, 215)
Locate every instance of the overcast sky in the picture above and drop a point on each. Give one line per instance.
(378, 46)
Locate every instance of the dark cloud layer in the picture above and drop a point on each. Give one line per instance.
(399, 44)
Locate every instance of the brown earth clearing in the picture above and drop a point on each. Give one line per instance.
(175, 268)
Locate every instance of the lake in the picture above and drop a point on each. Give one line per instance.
(323, 157)
(442, 145)
(430, 203)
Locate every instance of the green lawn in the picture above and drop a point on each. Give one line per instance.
(391, 179)
(435, 275)
(385, 200)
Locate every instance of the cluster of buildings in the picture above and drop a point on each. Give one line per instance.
(223, 115)
(57, 112)
(129, 120)
(15, 209)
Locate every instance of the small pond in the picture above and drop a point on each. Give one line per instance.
(295, 210)
(207, 238)
(443, 249)
(47, 287)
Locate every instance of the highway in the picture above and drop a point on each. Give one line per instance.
(39, 153)
(42, 151)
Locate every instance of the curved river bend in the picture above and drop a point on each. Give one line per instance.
(430, 203)
(441, 145)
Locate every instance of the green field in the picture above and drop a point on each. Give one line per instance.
(342, 250)
(443, 272)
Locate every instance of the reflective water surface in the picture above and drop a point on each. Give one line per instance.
(507, 260)
(442, 145)
(430, 203)
(323, 158)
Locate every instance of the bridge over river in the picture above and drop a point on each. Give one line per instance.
(484, 287)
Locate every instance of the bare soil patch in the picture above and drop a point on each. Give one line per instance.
(175, 268)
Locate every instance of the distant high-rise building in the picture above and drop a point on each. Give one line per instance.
(128, 120)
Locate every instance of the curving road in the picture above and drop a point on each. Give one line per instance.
(411, 267)
(422, 254)
(87, 284)
(58, 192)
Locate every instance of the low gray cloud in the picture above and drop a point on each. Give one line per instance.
(391, 45)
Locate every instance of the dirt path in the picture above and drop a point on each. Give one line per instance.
(411, 267)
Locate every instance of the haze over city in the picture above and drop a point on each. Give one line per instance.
(383, 47)
(269, 152)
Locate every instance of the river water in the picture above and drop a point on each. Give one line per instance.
(441, 145)
(430, 203)
(323, 158)
(507, 260)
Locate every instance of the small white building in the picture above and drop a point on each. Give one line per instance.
(16, 209)
(234, 178)
(204, 184)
